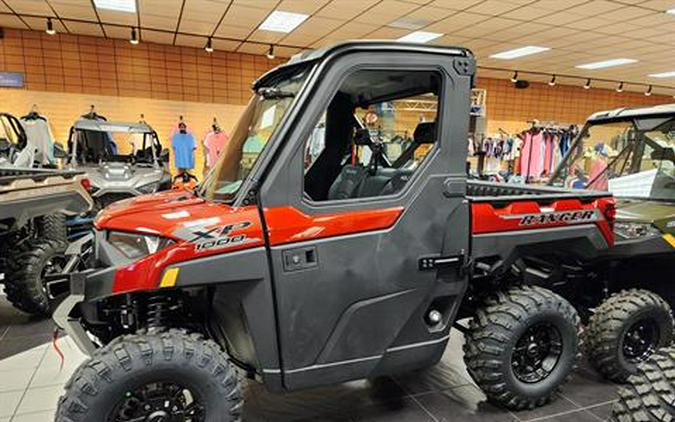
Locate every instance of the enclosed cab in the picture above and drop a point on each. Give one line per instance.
(327, 246)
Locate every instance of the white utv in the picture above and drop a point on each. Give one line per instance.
(94, 148)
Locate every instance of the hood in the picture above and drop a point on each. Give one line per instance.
(644, 211)
(175, 214)
(122, 176)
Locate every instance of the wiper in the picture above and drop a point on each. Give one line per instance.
(275, 93)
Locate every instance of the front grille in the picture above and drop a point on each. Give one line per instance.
(108, 198)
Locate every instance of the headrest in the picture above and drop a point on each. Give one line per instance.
(425, 133)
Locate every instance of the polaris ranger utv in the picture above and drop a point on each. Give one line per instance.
(29, 250)
(631, 154)
(305, 271)
(113, 174)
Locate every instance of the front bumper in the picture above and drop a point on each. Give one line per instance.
(71, 325)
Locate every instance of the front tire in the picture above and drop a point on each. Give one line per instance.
(625, 330)
(160, 375)
(650, 394)
(522, 346)
(24, 282)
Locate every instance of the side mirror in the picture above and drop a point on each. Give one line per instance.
(59, 151)
(164, 156)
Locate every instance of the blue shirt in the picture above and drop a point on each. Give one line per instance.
(183, 148)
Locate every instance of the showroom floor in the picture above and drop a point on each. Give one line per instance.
(31, 381)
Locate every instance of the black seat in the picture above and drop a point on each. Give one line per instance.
(348, 181)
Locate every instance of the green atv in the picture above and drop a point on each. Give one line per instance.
(630, 153)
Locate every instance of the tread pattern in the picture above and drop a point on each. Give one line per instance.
(650, 394)
(607, 325)
(23, 283)
(52, 226)
(123, 357)
(491, 330)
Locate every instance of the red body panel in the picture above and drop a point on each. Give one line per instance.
(288, 225)
(486, 218)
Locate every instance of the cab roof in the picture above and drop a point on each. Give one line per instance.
(309, 56)
(663, 110)
(114, 127)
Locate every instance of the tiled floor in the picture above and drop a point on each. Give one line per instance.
(31, 381)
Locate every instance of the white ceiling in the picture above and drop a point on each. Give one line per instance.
(576, 31)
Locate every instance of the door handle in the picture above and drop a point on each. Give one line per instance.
(300, 258)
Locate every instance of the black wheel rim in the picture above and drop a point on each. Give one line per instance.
(640, 340)
(159, 402)
(537, 353)
(53, 266)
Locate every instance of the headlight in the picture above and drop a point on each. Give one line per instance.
(149, 188)
(135, 246)
(634, 230)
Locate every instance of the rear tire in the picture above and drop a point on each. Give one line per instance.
(24, 283)
(650, 394)
(625, 330)
(522, 346)
(119, 378)
(52, 226)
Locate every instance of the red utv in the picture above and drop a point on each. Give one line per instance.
(320, 251)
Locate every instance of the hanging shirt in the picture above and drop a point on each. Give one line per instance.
(214, 143)
(531, 155)
(40, 139)
(183, 145)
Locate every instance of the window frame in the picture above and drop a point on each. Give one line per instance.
(313, 204)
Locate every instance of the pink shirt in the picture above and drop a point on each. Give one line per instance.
(532, 155)
(214, 142)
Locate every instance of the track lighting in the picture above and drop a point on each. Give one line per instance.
(552, 81)
(50, 27)
(209, 46)
(270, 52)
(588, 84)
(134, 36)
(648, 92)
(620, 87)
(514, 78)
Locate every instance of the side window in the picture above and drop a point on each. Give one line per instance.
(373, 136)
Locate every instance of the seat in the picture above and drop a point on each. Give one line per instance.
(347, 183)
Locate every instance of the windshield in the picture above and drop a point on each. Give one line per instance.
(95, 147)
(628, 158)
(258, 122)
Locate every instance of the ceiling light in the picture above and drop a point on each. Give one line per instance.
(280, 21)
(134, 36)
(514, 78)
(552, 81)
(648, 92)
(420, 36)
(116, 5)
(670, 74)
(620, 87)
(519, 52)
(50, 27)
(588, 84)
(209, 46)
(605, 63)
(270, 52)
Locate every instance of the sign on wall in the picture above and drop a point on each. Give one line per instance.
(11, 79)
(478, 102)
